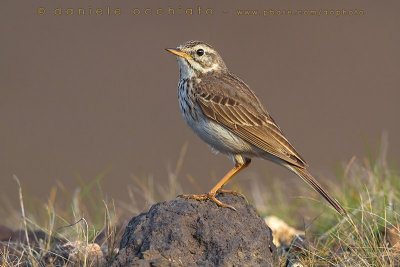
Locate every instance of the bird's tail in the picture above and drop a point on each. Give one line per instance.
(309, 179)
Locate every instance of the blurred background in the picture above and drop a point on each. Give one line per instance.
(81, 95)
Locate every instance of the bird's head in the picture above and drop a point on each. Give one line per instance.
(197, 58)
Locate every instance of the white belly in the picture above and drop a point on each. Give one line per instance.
(211, 132)
(219, 138)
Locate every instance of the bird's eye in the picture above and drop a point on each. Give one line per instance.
(200, 52)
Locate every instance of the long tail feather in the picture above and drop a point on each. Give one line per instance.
(309, 179)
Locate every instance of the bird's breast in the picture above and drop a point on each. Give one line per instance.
(211, 132)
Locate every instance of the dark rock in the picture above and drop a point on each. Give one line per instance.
(5, 233)
(35, 237)
(295, 251)
(19, 236)
(186, 232)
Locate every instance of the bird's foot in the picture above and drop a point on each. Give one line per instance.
(223, 191)
(208, 196)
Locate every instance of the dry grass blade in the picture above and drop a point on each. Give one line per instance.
(31, 257)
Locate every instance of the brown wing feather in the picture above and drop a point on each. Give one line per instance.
(249, 120)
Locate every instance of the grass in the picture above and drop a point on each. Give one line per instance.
(369, 188)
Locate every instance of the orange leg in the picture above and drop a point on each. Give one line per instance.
(218, 187)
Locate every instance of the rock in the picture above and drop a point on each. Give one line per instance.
(5, 233)
(186, 232)
(75, 254)
(393, 236)
(295, 251)
(282, 232)
(19, 236)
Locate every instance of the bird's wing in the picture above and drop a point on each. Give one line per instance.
(241, 112)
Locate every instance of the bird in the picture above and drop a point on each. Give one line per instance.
(227, 115)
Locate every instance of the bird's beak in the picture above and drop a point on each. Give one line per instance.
(179, 53)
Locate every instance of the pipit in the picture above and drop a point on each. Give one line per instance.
(226, 114)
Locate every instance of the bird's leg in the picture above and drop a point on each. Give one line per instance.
(218, 187)
(238, 167)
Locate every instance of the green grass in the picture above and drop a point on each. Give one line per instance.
(369, 188)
